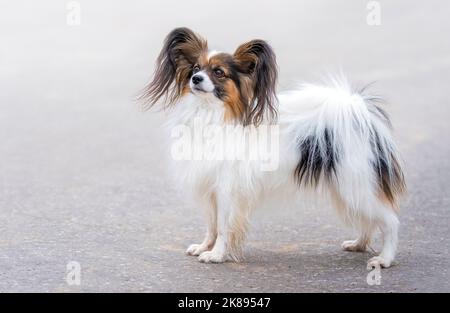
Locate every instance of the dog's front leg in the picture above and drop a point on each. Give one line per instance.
(220, 250)
(210, 204)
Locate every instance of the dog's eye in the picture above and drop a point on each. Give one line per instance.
(196, 68)
(219, 73)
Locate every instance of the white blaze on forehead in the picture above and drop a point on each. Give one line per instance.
(206, 84)
(212, 53)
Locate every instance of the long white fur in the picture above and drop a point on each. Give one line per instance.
(230, 190)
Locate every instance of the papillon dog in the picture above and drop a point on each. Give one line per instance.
(329, 139)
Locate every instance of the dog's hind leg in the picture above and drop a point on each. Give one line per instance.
(361, 223)
(388, 223)
(366, 217)
(362, 242)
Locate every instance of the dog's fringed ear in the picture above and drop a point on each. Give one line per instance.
(257, 60)
(181, 50)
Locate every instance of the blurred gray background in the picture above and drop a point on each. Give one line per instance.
(82, 175)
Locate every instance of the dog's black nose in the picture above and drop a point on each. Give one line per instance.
(196, 79)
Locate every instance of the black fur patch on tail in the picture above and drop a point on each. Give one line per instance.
(389, 173)
(315, 159)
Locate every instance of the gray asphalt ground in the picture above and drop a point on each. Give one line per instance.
(82, 170)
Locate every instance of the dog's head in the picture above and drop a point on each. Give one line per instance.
(243, 81)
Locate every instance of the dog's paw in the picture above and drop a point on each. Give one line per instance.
(353, 246)
(378, 262)
(196, 249)
(211, 257)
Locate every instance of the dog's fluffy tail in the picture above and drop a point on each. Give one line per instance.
(343, 138)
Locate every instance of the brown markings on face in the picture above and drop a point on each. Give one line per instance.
(230, 87)
(185, 90)
(234, 106)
